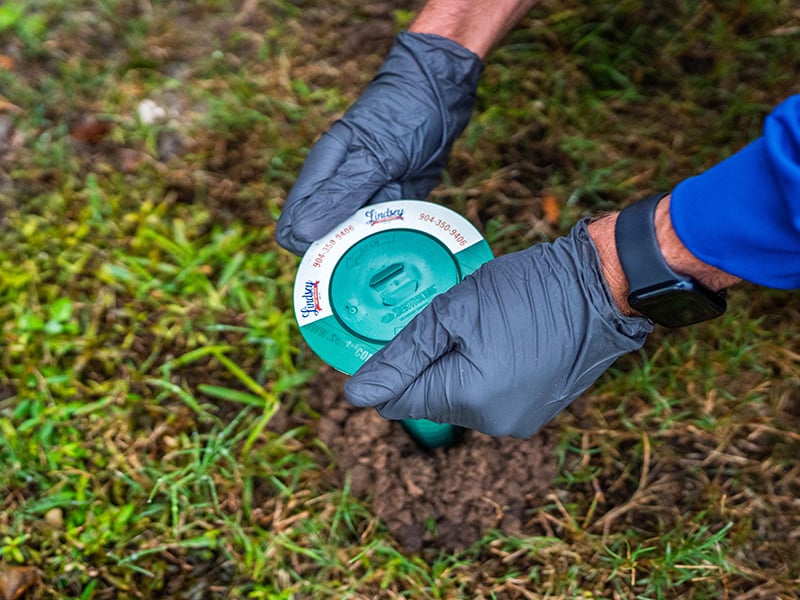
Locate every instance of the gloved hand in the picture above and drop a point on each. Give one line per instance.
(391, 144)
(509, 347)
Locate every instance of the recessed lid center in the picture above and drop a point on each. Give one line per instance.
(384, 280)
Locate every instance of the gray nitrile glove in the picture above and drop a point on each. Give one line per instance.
(508, 348)
(391, 144)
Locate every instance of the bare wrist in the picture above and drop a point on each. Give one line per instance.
(601, 231)
(680, 259)
(477, 25)
(677, 256)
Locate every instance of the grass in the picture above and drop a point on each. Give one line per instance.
(148, 340)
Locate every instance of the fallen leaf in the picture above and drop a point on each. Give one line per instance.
(15, 582)
(91, 132)
(552, 211)
(6, 63)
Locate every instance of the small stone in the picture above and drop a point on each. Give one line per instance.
(54, 518)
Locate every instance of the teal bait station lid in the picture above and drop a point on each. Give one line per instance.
(358, 286)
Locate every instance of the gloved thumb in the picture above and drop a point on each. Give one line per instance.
(386, 376)
(426, 371)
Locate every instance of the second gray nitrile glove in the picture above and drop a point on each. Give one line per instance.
(391, 144)
(508, 348)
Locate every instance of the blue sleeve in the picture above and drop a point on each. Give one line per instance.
(743, 215)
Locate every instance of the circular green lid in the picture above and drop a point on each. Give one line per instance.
(360, 284)
(384, 280)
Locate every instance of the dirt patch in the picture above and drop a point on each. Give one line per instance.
(440, 499)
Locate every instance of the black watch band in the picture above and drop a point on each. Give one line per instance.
(637, 246)
(656, 291)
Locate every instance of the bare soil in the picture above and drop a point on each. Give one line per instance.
(441, 499)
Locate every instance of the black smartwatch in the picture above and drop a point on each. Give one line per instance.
(656, 291)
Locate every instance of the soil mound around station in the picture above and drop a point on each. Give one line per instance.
(444, 498)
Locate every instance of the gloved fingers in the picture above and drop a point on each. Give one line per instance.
(391, 144)
(393, 190)
(416, 188)
(419, 185)
(458, 390)
(339, 176)
(304, 221)
(321, 164)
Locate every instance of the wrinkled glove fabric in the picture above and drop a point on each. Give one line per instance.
(391, 144)
(508, 348)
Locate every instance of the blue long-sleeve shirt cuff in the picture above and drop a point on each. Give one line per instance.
(743, 215)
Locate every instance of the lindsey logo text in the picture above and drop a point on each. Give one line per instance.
(375, 217)
(311, 296)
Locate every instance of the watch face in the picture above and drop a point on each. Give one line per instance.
(678, 303)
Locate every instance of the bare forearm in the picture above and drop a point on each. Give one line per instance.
(678, 257)
(475, 24)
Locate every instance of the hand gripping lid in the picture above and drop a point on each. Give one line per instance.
(358, 286)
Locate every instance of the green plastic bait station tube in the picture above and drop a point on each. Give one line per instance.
(359, 285)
